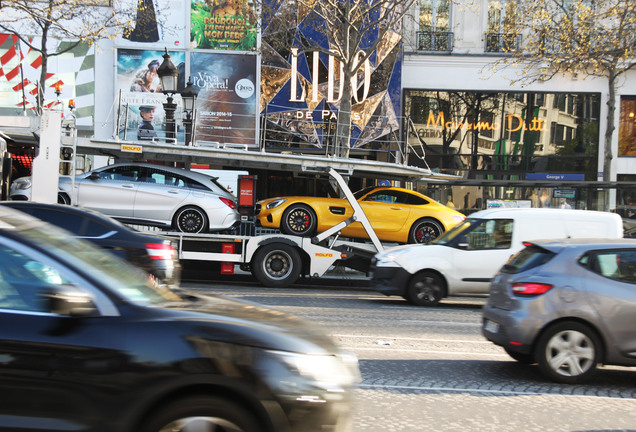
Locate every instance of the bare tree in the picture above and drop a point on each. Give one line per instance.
(74, 21)
(353, 30)
(588, 38)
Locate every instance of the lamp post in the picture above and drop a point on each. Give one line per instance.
(168, 74)
(189, 97)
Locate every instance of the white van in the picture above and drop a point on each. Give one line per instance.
(463, 260)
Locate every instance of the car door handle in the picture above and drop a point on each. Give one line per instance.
(128, 186)
(396, 208)
(173, 191)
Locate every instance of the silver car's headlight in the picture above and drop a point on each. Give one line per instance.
(324, 369)
(275, 203)
(21, 184)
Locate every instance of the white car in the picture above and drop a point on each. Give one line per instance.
(147, 194)
(463, 261)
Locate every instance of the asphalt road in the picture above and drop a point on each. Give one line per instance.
(430, 369)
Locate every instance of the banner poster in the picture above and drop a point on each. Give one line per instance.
(141, 108)
(155, 23)
(223, 25)
(300, 87)
(70, 66)
(226, 104)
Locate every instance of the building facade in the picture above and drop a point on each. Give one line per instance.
(435, 101)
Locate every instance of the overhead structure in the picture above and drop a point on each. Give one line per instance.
(239, 157)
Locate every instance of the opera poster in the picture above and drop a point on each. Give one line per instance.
(141, 114)
(227, 99)
(223, 25)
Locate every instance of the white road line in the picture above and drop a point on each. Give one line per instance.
(471, 355)
(412, 339)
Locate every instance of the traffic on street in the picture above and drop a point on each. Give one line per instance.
(431, 369)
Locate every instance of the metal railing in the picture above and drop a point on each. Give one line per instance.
(503, 42)
(435, 41)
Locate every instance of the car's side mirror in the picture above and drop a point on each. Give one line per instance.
(462, 242)
(94, 176)
(67, 301)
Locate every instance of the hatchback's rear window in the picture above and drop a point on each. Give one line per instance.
(530, 257)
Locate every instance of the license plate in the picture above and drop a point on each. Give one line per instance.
(491, 326)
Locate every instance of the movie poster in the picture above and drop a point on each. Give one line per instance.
(223, 25)
(141, 115)
(155, 23)
(227, 100)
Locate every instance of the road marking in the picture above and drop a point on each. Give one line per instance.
(470, 354)
(473, 390)
(412, 339)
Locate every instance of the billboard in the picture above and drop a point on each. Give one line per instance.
(226, 104)
(155, 23)
(223, 25)
(141, 106)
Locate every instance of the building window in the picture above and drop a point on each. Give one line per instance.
(501, 35)
(434, 33)
(627, 127)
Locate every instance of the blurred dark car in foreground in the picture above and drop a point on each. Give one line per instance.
(567, 305)
(88, 344)
(154, 254)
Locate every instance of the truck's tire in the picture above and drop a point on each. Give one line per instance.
(276, 265)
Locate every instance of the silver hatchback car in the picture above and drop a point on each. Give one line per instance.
(566, 305)
(148, 194)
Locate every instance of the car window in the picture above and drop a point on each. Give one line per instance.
(130, 282)
(614, 264)
(491, 234)
(528, 258)
(75, 223)
(22, 279)
(165, 178)
(121, 173)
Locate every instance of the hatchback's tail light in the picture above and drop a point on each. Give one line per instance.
(160, 251)
(527, 289)
(228, 202)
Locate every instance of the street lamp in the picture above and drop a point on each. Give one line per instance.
(168, 74)
(189, 97)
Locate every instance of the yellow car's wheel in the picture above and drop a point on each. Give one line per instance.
(425, 231)
(299, 220)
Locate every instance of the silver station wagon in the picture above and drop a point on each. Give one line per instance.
(148, 194)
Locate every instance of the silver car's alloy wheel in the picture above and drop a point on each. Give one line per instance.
(568, 352)
(201, 424)
(191, 220)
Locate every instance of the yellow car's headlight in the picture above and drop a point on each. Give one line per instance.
(275, 203)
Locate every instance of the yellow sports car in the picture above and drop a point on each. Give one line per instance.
(396, 215)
